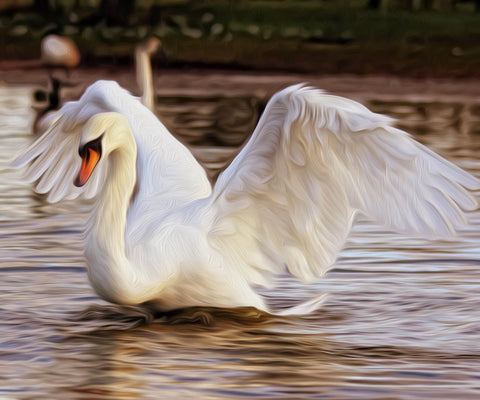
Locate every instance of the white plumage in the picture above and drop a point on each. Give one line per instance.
(159, 233)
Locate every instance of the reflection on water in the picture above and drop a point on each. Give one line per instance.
(402, 318)
(205, 120)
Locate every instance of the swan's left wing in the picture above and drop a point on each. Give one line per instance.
(53, 159)
(288, 199)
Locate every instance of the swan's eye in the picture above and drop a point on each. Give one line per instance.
(95, 145)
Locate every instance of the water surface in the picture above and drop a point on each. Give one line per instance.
(402, 319)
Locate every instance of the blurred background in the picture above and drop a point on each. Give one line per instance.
(212, 65)
(409, 37)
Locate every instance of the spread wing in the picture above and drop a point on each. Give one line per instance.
(54, 162)
(313, 161)
(53, 159)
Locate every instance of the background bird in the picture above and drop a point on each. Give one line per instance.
(143, 70)
(59, 52)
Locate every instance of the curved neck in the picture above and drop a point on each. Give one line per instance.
(109, 219)
(144, 77)
(109, 269)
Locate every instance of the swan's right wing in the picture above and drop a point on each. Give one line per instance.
(287, 200)
(53, 159)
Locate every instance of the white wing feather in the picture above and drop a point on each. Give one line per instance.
(312, 162)
(54, 160)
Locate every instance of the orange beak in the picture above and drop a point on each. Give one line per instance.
(89, 161)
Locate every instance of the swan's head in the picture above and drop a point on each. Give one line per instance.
(102, 135)
(149, 46)
(59, 51)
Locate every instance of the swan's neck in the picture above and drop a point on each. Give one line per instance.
(109, 270)
(110, 215)
(144, 78)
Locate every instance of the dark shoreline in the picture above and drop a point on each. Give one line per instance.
(280, 36)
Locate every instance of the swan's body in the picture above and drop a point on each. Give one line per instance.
(160, 234)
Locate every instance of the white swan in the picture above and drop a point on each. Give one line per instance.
(160, 234)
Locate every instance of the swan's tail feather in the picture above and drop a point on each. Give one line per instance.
(305, 308)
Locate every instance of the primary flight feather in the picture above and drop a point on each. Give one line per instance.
(159, 233)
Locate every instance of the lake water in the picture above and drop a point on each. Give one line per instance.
(401, 321)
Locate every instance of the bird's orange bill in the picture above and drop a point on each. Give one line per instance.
(89, 161)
